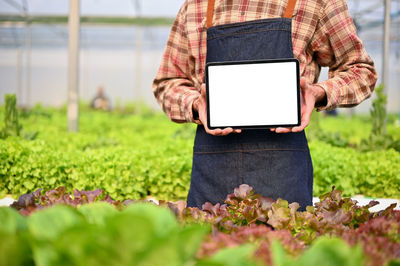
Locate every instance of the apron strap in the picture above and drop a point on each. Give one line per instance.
(210, 11)
(289, 9)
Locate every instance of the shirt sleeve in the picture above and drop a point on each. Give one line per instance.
(173, 86)
(352, 75)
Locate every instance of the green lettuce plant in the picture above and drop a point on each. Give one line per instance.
(85, 229)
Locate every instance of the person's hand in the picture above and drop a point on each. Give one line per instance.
(200, 106)
(310, 95)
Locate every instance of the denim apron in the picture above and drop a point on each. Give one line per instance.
(275, 165)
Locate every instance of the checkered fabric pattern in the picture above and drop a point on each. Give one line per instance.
(323, 34)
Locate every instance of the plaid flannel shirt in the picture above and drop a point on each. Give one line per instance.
(323, 34)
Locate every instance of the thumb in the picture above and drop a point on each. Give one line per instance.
(303, 83)
(203, 90)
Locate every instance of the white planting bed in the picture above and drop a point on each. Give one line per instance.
(7, 201)
(383, 203)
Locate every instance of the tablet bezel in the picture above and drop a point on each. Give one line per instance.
(268, 61)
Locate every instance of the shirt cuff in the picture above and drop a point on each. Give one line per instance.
(189, 98)
(332, 95)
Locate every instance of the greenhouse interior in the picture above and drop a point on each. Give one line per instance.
(200, 132)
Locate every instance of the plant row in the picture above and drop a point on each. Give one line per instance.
(135, 156)
(164, 171)
(89, 228)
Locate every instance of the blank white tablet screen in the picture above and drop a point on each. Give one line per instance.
(255, 94)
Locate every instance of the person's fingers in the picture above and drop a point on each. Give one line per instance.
(215, 132)
(222, 132)
(272, 129)
(207, 129)
(305, 108)
(300, 128)
(203, 90)
(283, 130)
(305, 119)
(226, 131)
(303, 83)
(218, 131)
(307, 116)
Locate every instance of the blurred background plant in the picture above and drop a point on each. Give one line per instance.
(11, 125)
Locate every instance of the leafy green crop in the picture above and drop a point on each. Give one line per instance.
(248, 229)
(127, 156)
(373, 173)
(324, 251)
(97, 234)
(136, 156)
(14, 245)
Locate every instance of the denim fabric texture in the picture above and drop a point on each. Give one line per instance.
(253, 40)
(275, 165)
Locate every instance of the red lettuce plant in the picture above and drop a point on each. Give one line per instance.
(249, 218)
(28, 203)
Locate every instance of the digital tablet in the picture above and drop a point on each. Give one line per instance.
(253, 94)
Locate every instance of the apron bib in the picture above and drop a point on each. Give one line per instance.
(275, 165)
